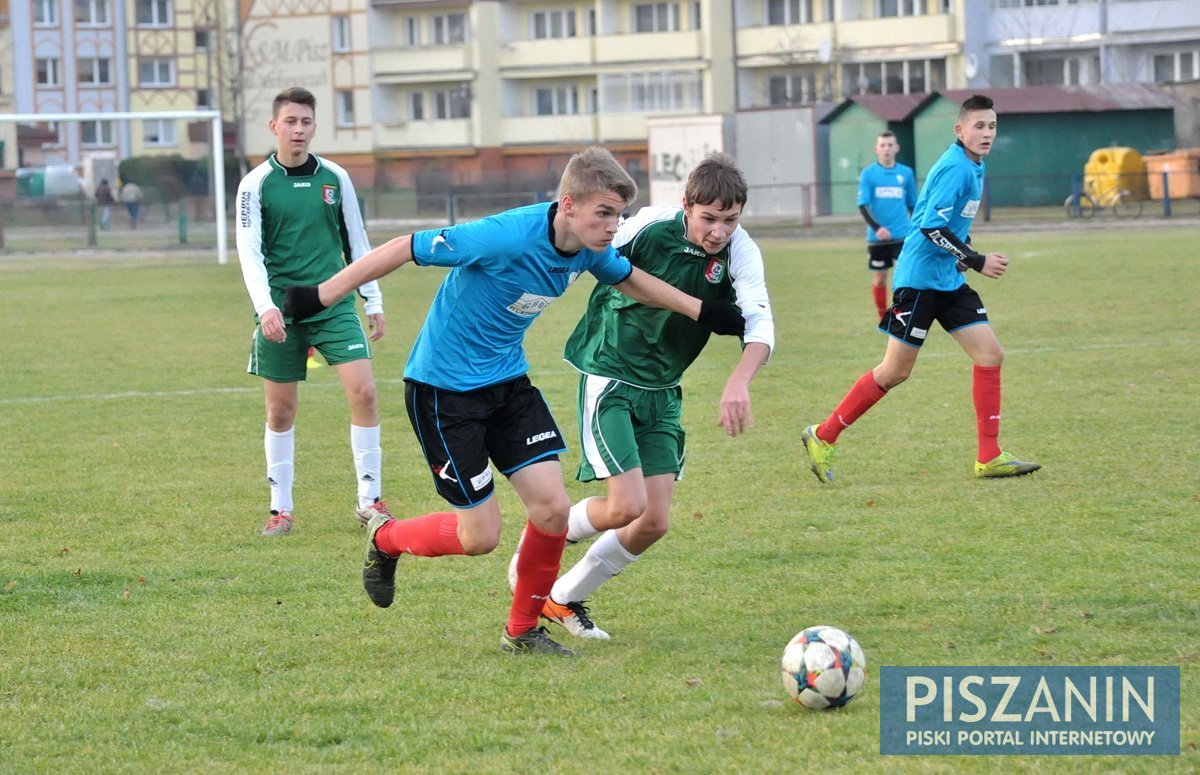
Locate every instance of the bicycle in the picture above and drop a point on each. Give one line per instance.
(1121, 201)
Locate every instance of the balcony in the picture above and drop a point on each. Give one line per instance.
(935, 32)
(558, 53)
(552, 130)
(421, 64)
(625, 50)
(763, 46)
(412, 135)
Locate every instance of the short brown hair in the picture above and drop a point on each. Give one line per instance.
(593, 170)
(973, 103)
(296, 94)
(716, 179)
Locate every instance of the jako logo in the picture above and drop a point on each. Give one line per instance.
(358, 346)
(302, 184)
(540, 437)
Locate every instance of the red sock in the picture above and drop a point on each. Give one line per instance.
(537, 569)
(433, 535)
(881, 299)
(865, 394)
(985, 389)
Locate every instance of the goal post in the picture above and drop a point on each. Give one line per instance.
(216, 151)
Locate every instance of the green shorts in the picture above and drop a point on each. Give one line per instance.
(339, 338)
(623, 427)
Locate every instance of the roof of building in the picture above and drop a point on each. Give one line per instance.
(1026, 99)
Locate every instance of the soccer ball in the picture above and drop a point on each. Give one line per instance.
(823, 667)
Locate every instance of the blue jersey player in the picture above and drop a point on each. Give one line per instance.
(928, 286)
(887, 193)
(468, 397)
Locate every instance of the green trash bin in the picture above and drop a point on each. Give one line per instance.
(31, 183)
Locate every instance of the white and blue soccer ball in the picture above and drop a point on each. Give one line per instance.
(823, 667)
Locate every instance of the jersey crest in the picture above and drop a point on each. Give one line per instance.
(715, 271)
(329, 194)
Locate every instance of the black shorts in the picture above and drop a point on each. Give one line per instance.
(913, 312)
(881, 256)
(508, 423)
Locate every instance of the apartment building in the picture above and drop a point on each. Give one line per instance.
(1083, 42)
(475, 84)
(106, 56)
(8, 131)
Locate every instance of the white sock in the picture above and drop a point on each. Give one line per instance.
(368, 459)
(579, 527)
(281, 470)
(604, 559)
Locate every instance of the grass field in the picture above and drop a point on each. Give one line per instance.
(146, 627)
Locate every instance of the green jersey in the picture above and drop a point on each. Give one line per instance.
(299, 227)
(647, 347)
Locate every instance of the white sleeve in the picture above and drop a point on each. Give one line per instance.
(750, 288)
(631, 226)
(356, 232)
(248, 232)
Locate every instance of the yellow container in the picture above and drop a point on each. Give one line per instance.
(1110, 170)
(1183, 173)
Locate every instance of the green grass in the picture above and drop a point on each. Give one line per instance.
(145, 627)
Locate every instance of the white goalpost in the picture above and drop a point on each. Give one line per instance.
(217, 150)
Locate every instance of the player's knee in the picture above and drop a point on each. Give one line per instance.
(652, 530)
(475, 544)
(624, 511)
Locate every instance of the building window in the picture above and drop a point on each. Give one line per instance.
(416, 106)
(651, 91)
(1176, 66)
(156, 72)
(656, 17)
(791, 89)
(697, 16)
(555, 100)
(558, 23)
(449, 29)
(96, 132)
(345, 108)
(453, 103)
(201, 40)
(898, 7)
(203, 98)
(341, 33)
(1057, 70)
(47, 71)
(154, 13)
(91, 11)
(45, 12)
(159, 132)
(94, 71)
(412, 31)
(789, 12)
(914, 76)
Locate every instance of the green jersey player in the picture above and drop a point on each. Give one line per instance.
(299, 223)
(631, 358)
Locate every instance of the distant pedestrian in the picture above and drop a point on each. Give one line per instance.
(131, 197)
(104, 198)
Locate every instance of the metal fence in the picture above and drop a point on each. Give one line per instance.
(66, 224)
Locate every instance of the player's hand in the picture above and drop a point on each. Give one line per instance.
(735, 408)
(721, 316)
(994, 265)
(377, 326)
(882, 234)
(301, 301)
(271, 325)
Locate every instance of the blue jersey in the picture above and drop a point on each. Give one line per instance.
(949, 200)
(891, 194)
(505, 271)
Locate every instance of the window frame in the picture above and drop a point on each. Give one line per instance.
(166, 127)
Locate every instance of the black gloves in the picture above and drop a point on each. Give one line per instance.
(301, 301)
(721, 316)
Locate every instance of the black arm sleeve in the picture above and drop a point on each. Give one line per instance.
(866, 214)
(962, 252)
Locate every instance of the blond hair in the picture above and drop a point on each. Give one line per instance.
(592, 171)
